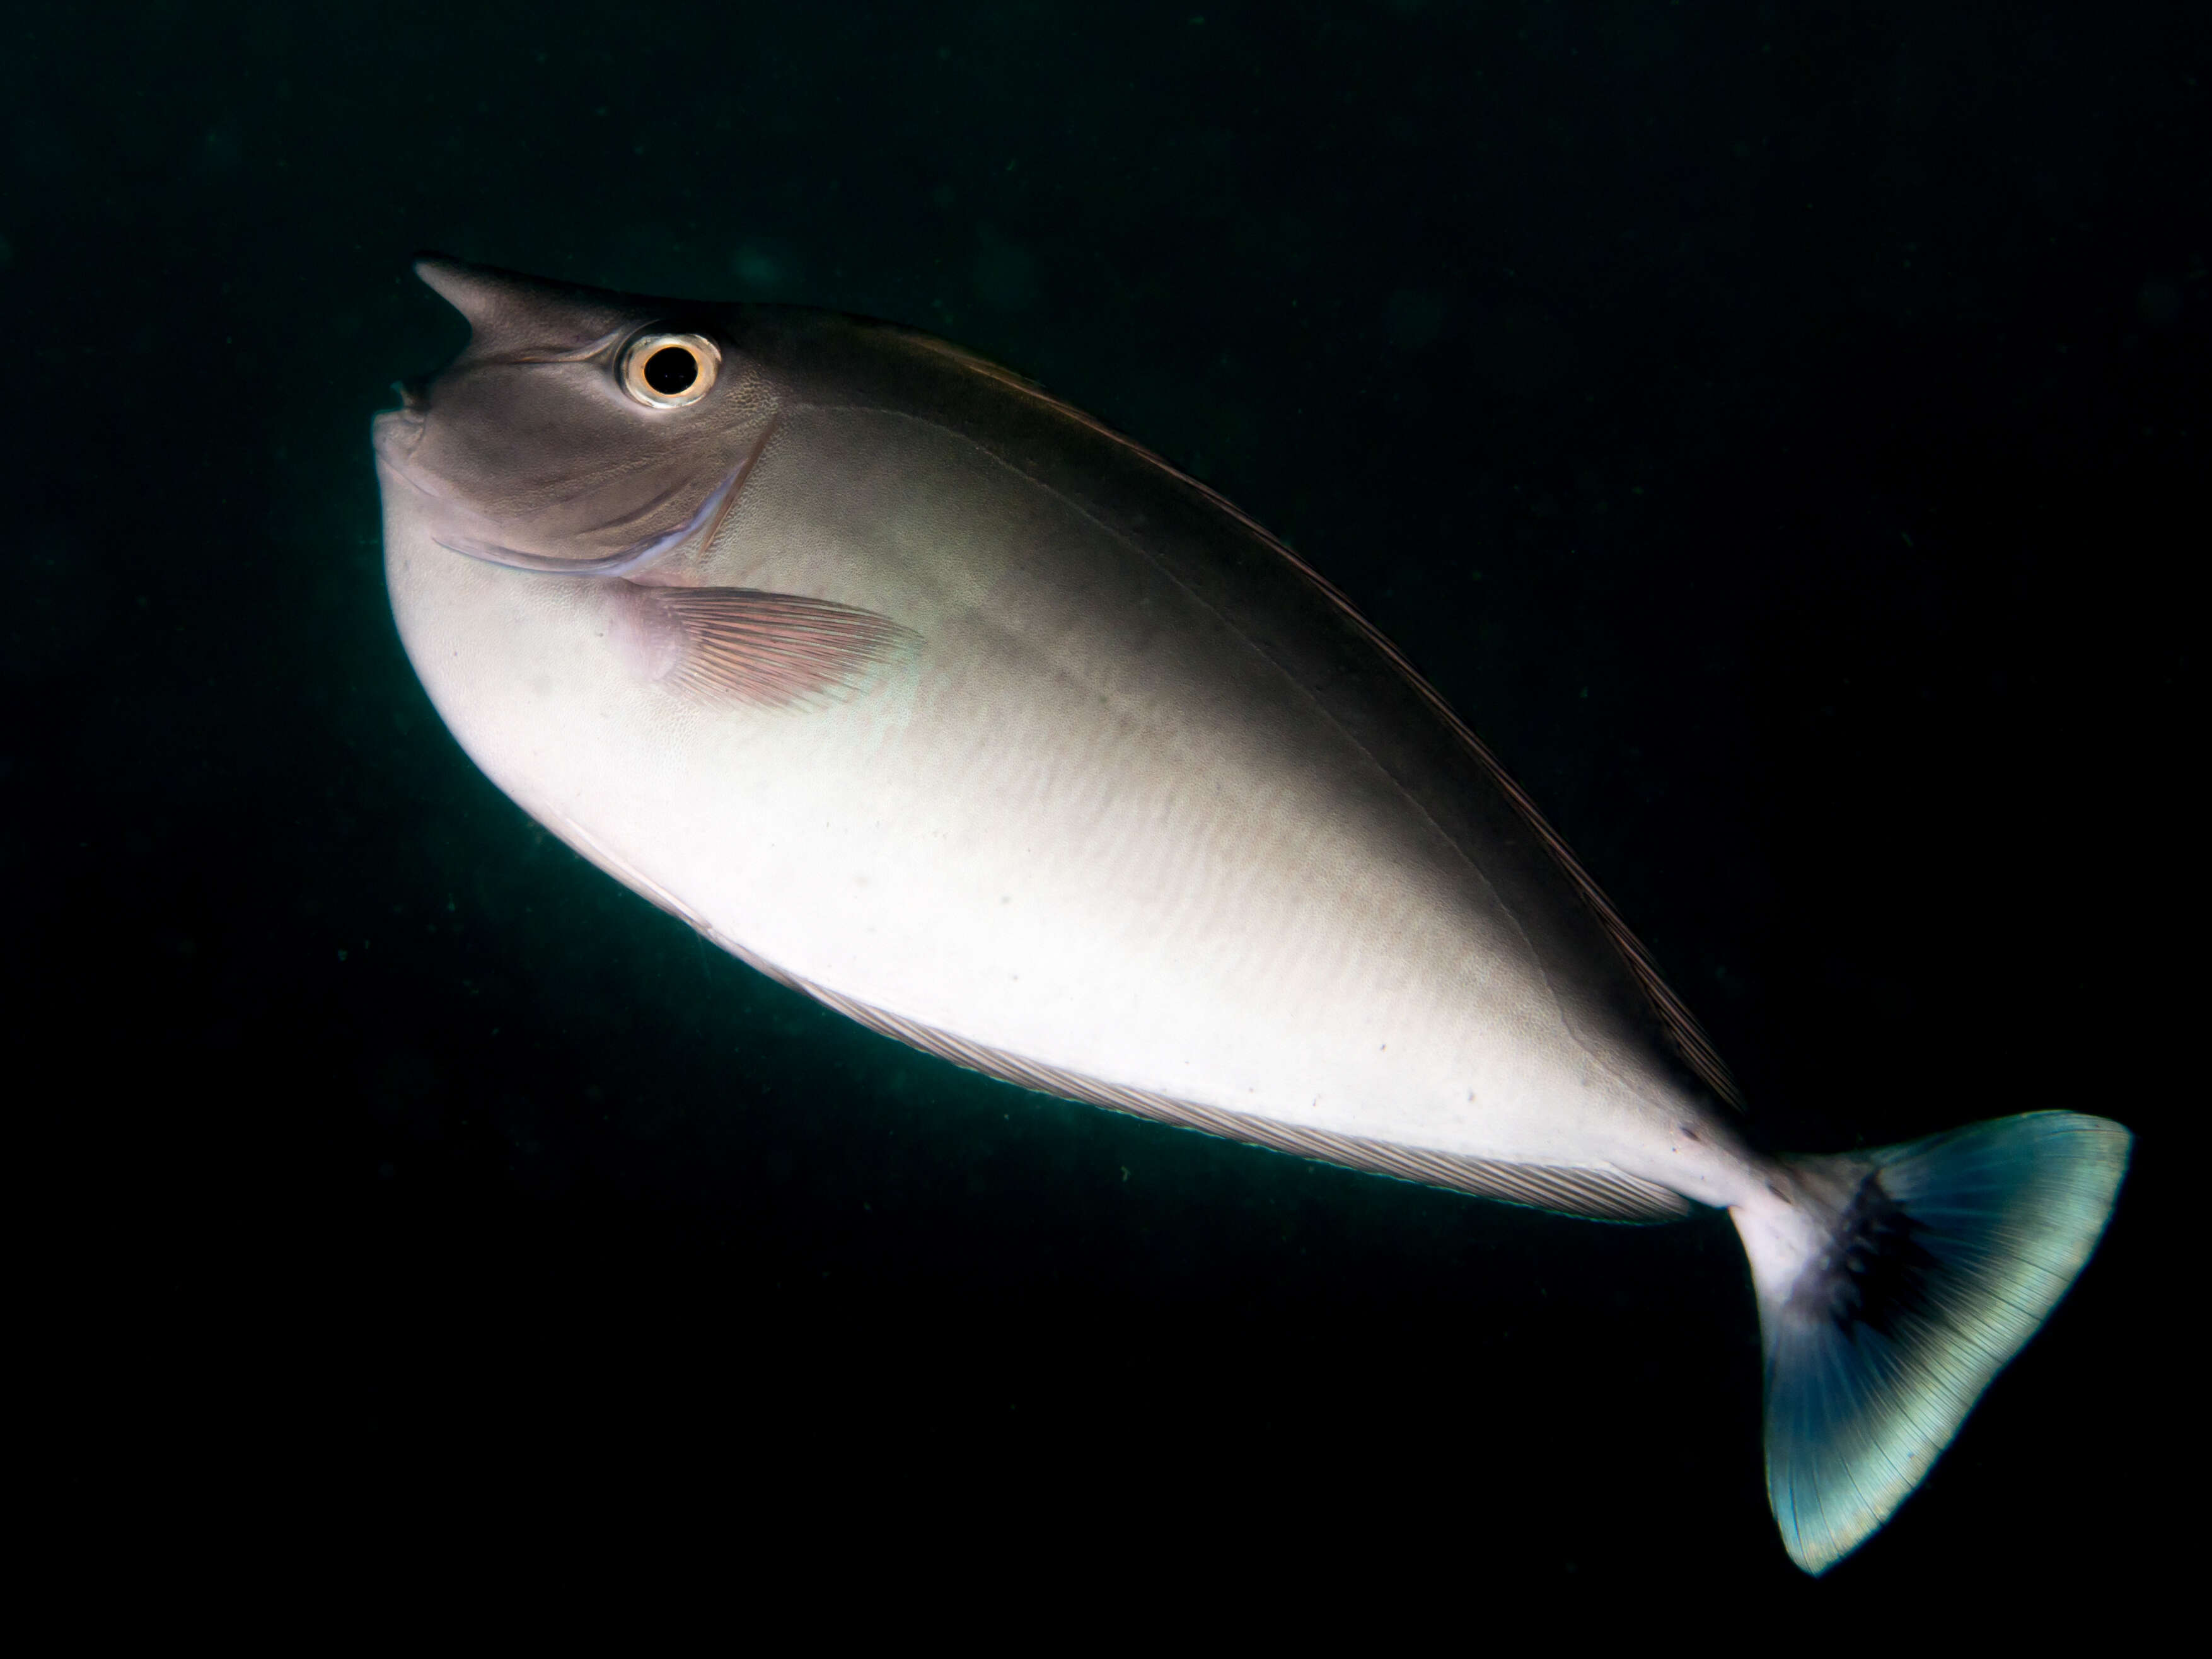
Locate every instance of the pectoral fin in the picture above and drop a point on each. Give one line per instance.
(763, 650)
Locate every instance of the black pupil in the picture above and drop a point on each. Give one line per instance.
(670, 370)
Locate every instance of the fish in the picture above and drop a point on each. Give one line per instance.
(922, 692)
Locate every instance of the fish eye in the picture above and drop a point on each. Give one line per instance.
(669, 371)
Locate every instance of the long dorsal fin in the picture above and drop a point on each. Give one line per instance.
(1680, 1026)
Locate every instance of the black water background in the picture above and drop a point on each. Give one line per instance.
(1780, 429)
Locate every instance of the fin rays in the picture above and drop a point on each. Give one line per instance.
(1600, 1195)
(775, 650)
(1950, 1255)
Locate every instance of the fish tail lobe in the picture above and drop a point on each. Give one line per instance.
(1894, 1285)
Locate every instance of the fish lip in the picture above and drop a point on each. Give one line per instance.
(395, 434)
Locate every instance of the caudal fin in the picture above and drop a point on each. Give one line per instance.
(1931, 1266)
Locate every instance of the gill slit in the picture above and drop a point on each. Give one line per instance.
(638, 556)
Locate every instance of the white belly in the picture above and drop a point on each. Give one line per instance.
(1081, 823)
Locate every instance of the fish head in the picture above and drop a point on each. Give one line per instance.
(580, 431)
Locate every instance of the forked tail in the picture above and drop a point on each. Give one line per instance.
(1927, 1268)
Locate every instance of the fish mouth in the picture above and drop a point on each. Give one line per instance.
(396, 433)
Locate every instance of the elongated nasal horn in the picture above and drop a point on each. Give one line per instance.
(509, 313)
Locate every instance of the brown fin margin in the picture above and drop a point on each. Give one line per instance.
(1681, 1026)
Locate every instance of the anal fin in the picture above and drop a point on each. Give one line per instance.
(1600, 1195)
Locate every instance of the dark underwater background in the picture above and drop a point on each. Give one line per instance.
(1779, 428)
